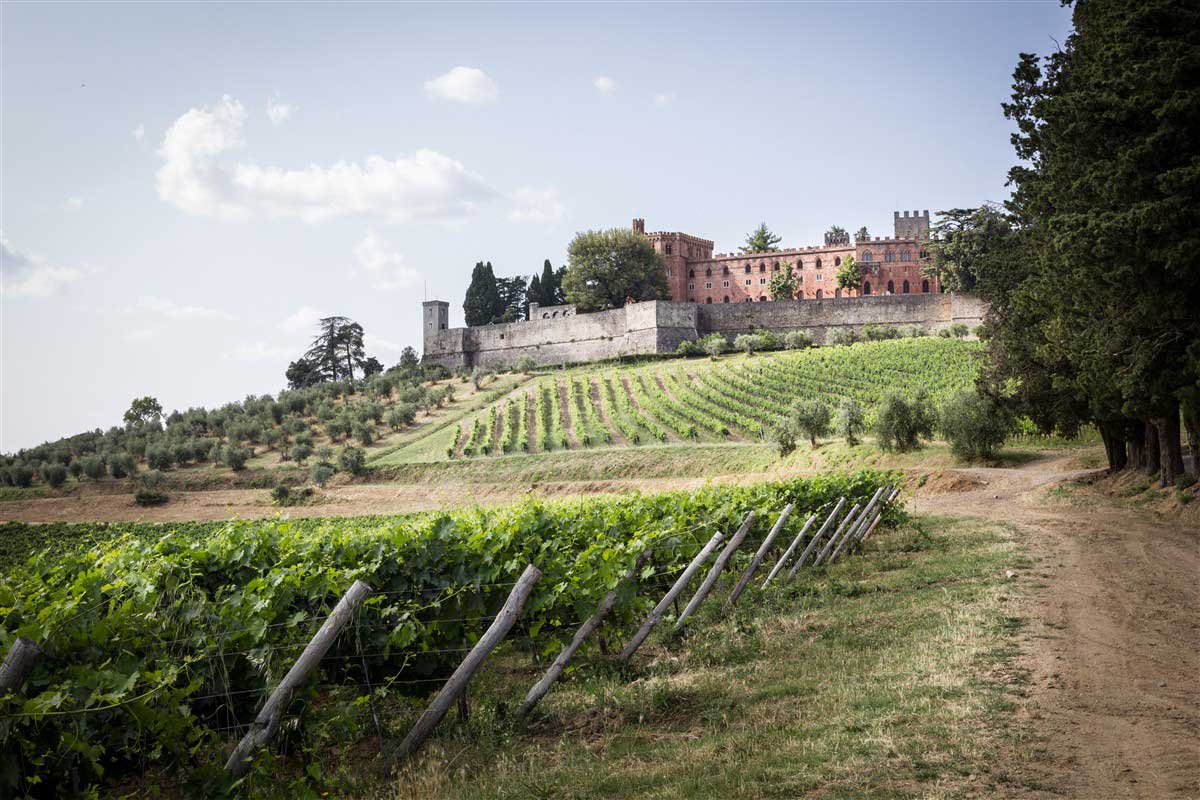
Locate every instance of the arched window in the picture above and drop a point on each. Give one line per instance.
(866, 287)
(905, 255)
(925, 287)
(762, 298)
(904, 288)
(820, 294)
(708, 272)
(891, 288)
(748, 300)
(837, 262)
(726, 298)
(708, 301)
(747, 268)
(775, 268)
(555, 315)
(691, 273)
(725, 270)
(867, 255)
(889, 256)
(818, 265)
(762, 267)
(924, 254)
(668, 248)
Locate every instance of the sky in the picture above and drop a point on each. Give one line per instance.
(186, 188)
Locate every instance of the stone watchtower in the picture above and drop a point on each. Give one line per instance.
(914, 227)
(435, 318)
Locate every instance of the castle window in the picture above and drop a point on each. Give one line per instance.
(668, 272)
(708, 284)
(502, 336)
(748, 300)
(905, 255)
(891, 288)
(837, 262)
(762, 267)
(442, 326)
(924, 254)
(866, 287)
(708, 272)
(691, 286)
(747, 268)
(726, 298)
(724, 284)
(725, 270)
(889, 256)
(818, 276)
(708, 300)
(762, 298)
(775, 268)
(668, 250)
(749, 281)
(818, 264)
(904, 287)
(691, 273)
(867, 255)
(820, 294)
(925, 287)
(762, 281)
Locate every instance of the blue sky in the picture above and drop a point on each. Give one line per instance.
(183, 188)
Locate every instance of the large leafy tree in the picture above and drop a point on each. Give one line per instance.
(337, 351)
(483, 304)
(783, 284)
(512, 293)
(142, 411)
(607, 268)
(964, 241)
(1102, 313)
(761, 240)
(848, 275)
(303, 373)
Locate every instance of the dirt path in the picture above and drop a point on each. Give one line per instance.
(1113, 644)
(564, 411)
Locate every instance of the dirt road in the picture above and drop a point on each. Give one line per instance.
(1113, 643)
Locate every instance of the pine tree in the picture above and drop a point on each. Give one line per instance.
(482, 304)
(761, 240)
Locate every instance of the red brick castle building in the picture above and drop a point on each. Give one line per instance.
(887, 265)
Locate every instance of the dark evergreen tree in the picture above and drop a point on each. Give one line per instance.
(534, 293)
(303, 373)
(512, 293)
(482, 304)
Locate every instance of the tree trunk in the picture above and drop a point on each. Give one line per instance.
(1114, 446)
(1169, 447)
(1153, 444)
(1193, 445)
(1137, 444)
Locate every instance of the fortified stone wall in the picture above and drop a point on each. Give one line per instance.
(659, 327)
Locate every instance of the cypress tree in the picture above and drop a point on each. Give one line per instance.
(482, 304)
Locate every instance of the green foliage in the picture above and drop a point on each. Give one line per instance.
(783, 433)
(235, 457)
(843, 336)
(158, 634)
(353, 460)
(851, 421)
(93, 467)
(121, 465)
(798, 340)
(483, 305)
(143, 411)
(875, 332)
(959, 331)
(54, 474)
(149, 491)
(714, 344)
(761, 240)
(901, 423)
(783, 283)
(158, 457)
(607, 268)
(321, 472)
(22, 475)
(811, 418)
(526, 364)
(974, 425)
(301, 452)
(848, 274)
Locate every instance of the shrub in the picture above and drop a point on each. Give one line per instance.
(900, 423)
(784, 434)
(688, 348)
(843, 336)
(121, 465)
(479, 376)
(236, 457)
(76, 469)
(321, 473)
(282, 495)
(714, 344)
(365, 433)
(850, 420)
(944, 333)
(353, 460)
(874, 332)
(811, 418)
(959, 331)
(526, 364)
(973, 425)
(182, 453)
(769, 341)
(54, 474)
(158, 457)
(93, 467)
(747, 343)
(148, 492)
(301, 452)
(22, 476)
(402, 414)
(798, 340)
(434, 372)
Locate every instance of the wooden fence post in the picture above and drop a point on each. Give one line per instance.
(540, 689)
(710, 579)
(845, 523)
(680, 584)
(267, 722)
(871, 527)
(862, 518)
(816, 539)
(457, 683)
(760, 555)
(23, 656)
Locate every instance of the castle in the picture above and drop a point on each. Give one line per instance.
(725, 293)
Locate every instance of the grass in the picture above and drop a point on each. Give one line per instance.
(877, 678)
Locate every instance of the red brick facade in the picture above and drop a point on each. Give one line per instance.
(886, 265)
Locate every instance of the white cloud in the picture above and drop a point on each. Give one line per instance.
(373, 344)
(605, 85)
(535, 205)
(73, 204)
(262, 351)
(173, 310)
(463, 85)
(25, 274)
(193, 177)
(664, 99)
(278, 112)
(139, 132)
(384, 267)
(304, 320)
(139, 334)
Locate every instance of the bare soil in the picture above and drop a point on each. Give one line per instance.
(1112, 648)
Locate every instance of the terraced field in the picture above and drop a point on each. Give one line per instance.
(732, 399)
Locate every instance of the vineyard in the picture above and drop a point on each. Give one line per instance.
(161, 644)
(733, 399)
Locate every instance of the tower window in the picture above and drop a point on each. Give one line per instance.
(747, 268)
(726, 298)
(905, 255)
(668, 248)
(837, 262)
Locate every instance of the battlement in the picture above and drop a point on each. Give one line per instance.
(915, 226)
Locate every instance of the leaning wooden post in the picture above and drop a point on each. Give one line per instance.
(457, 683)
(816, 539)
(267, 722)
(23, 656)
(540, 689)
(783, 559)
(862, 518)
(680, 584)
(760, 555)
(871, 527)
(861, 532)
(710, 579)
(845, 523)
